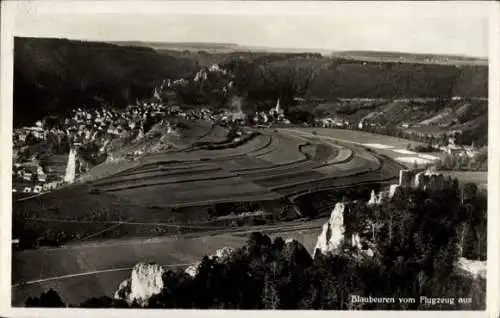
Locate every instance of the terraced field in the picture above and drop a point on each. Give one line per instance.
(252, 170)
(162, 194)
(267, 166)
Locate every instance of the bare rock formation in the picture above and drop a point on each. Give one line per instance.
(146, 281)
(332, 237)
(224, 253)
(474, 268)
(364, 249)
(70, 174)
(392, 190)
(192, 270)
(375, 199)
(123, 290)
(332, 234)
(221, 255)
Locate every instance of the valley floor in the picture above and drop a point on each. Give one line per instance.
(91, 269)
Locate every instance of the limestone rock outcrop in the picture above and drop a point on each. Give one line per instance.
(146, 281)
(221, 255)
(365, 249)
(70, 173)
(375, 199)
(332, 234)
(332, 237)
(123, 290)
(392, 190)
(472, 268)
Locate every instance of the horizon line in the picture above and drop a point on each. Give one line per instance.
(249, 46)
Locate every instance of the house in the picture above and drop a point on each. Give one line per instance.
(37, 132)
(42, 177)
(27, 175)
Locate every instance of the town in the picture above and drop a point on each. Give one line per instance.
(36, 170)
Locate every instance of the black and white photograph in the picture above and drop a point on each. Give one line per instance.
(249, 155)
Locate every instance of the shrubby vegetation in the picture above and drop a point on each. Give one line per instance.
(421, 148)
(456, 162)
(418, 236)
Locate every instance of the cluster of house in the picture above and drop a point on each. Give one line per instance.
(90, 125)
(367, 123)
(30, 177)
(274, 115)
(82, 126)
(37, 131)
(332, 122)
(99, 126)
(461, 150)
(444, 141)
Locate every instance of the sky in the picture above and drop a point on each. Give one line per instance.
(441, 28)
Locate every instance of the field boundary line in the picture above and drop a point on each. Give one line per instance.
(160, 239)
(102, 271)
(114, 226)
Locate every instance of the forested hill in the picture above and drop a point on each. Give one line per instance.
(55, 75)
(52, 75)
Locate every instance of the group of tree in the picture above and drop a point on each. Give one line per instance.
(417, 237)
(49, 80)
(421, 148)
(455, 161)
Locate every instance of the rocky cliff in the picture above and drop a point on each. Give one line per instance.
(332, 234)
(146, 280)
(473, 268)
(221, 255)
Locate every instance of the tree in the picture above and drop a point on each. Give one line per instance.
(469, 192)
(415, 247)
(270, 292)
(98, 302)
(49, 298)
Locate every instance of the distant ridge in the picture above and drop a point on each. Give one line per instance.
(51, 75)
(372, 56)
(404, 57)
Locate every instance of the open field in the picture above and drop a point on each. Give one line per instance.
(147, 188)
(141, 200)
(392, 147)
(360, 137)
(109, 264)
